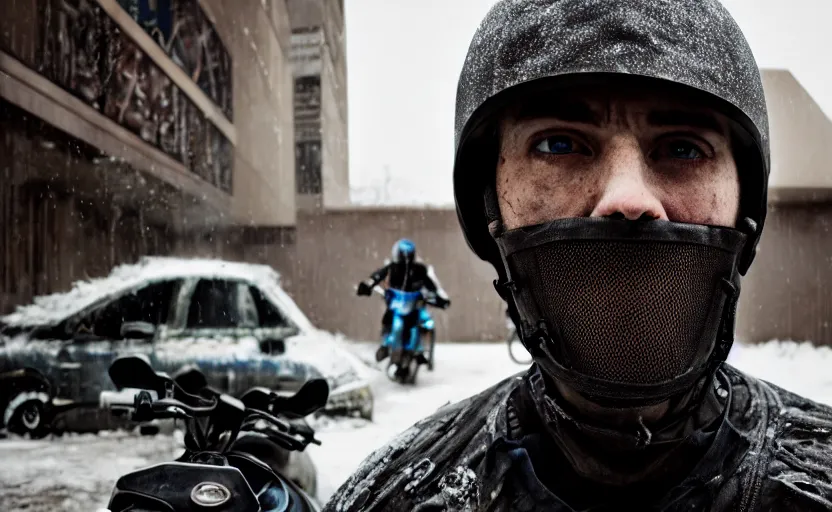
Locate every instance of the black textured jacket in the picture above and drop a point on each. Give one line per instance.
(770, 451)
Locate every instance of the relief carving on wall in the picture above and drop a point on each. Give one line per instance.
(85, 52)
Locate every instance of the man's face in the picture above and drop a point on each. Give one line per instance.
(621, 154)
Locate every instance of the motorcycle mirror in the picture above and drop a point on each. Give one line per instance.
(308, 399)
(190, 379)
(257, 398)
(135, 371)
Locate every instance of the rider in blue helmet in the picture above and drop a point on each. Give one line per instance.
(403, 251)
(403, 272)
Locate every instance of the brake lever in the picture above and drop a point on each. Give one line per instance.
(285, 431)
(164, 404)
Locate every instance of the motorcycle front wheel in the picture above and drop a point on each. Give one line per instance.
(402, 367)
(432, 338)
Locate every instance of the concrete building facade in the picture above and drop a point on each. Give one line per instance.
(137, 127)
(788, 292)
(320, 74)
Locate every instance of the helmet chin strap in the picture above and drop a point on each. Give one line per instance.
(502, 284)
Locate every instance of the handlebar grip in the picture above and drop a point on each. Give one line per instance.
(124, 398)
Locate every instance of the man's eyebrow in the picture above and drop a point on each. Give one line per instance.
(684, 118)
(571, 111)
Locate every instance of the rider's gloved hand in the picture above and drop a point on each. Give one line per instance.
(364, 289)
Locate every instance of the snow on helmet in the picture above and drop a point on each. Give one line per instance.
(526, 46)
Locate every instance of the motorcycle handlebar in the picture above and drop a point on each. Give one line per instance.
(165, 405)
(430, 298)
(146, 402)
(144, 405)
(287, 430)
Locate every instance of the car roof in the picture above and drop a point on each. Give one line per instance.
(51, 309)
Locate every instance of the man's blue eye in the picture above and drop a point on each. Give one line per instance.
(684, 150)
(559, 145)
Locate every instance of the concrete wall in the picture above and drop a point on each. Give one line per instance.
(787, 294)
(800, 137)
(335, 173)
(256, 35)
(788, 291)
(337, 249)
(319, 50)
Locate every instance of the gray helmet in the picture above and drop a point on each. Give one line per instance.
(524, 46)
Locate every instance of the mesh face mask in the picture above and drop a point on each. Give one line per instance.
(626, 313)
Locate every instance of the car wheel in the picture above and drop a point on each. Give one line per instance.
(29, 418)
(58, 427)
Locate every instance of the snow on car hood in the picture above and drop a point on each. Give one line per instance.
(330, 355)
(51, 309)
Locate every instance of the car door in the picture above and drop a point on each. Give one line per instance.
(221, 331)
(97, 338)
(285, 342)
(308, 344)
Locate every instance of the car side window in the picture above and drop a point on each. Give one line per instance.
(268, 313)
(220, 303)
(149, 304)
(248, 309)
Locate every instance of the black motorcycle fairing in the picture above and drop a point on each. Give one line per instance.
(241, 481)
(167, 487)
(254, 487)
(274, 492)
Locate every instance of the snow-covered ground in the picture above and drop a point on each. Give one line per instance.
(76, 473)
(461, 370)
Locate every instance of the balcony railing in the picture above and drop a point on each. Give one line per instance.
(78, 46)
(182, 30)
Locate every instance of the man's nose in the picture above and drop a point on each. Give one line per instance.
(626, 193)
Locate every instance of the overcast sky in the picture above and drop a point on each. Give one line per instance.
(404, 58)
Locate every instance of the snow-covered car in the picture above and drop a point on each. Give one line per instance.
(231, 320)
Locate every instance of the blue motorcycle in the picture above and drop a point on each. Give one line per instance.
(411, 328)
